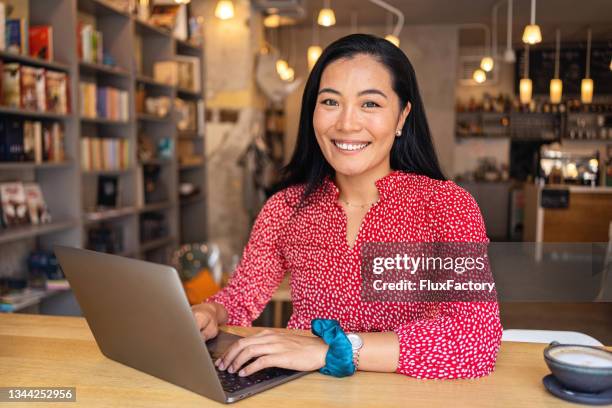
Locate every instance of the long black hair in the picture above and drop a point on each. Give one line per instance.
(412, 152)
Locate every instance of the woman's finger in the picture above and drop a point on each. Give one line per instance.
(267, 361)
(232, 351)
(253, 351)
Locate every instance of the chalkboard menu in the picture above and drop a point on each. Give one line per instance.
(572, 68)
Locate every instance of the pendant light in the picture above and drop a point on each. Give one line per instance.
(532, 34)
(556, 85)
(327, 18)
(390, 37)
(315, 50)
(393, 37)
(224, 9)
(479, 76)
(272, 21)
(586, 86)
(509, 54)
(525, 85)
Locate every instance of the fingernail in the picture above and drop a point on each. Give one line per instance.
(231, 369)
(217, 361)
(221, 366)
(241, 373)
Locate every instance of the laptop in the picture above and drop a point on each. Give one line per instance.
(139, 315)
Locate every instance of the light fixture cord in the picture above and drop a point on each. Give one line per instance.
(509, 24)
(557, 52)
(326, 4)
(588, 61)
(400, 16)
(526, 73)
(533, 7)
(315, 31)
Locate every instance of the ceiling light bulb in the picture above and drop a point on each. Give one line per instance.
(392, 39)
(479, 76)
(586, 90)
(272, 21)
(327, 18)
(525, 89)
(281, 67)
(224, 9)
(487, 64)
(314, 52)
(532, 34)
(556, 90)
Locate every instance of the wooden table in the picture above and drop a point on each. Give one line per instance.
(56, 351)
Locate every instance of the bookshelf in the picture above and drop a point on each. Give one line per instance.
(70, 192)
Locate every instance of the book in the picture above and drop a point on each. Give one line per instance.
(16, 29)
(108, 191)
(188, 73)
(56, 89)
(2, 26)
(11, 85)
(166, 72)
(164, 16)
(28, 140)
(37, 207)
(41, 42)
(13, 132)
(32, 88)
(14, 207)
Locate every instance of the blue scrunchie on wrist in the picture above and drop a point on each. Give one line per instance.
(339, 358)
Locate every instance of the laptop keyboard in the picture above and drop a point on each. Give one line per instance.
(233, 382)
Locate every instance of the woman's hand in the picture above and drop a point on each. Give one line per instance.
(206, 318)
(271, 349)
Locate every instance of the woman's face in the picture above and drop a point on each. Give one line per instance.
(356, 115)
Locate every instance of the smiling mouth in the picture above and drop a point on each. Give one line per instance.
(350, 146)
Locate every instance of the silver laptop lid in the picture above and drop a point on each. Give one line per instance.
(140, 316)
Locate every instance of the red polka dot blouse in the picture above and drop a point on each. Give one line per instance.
(437, 340)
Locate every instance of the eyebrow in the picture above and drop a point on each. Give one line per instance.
(364, 92)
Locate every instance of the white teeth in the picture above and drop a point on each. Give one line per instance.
(350, 146)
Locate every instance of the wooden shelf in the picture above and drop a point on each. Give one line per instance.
(29, 231)
(188, 93)
(105, 215)
(187, 47)
(104, 121)
(186, 134)
(36, 62)
(156, 162)
(156, 243)
(34, 166)
(146, 28)
(107, 172)
(141, 79)
(155, 207)
(100, 8)
(6, 110)
(102, 69)
(145, 117)
(191, 166)
(192, 200)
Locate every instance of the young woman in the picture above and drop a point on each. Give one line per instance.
(364, 170)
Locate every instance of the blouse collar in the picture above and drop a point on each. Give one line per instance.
(385, 185)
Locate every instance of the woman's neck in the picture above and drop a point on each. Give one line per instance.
(361, 189)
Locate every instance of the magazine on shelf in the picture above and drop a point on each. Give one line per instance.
(14, 206)
(37, 207)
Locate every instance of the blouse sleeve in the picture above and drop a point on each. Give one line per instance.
(460, 339)
(261, 268)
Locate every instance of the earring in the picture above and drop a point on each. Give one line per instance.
(398, 133)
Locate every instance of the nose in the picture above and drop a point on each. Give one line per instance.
(348, 120)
